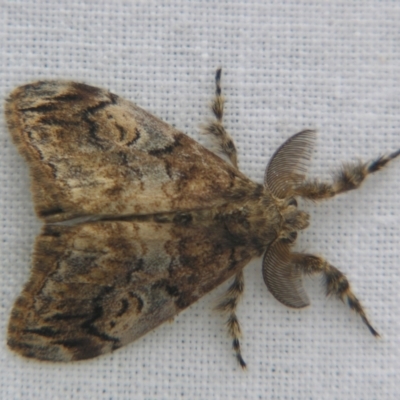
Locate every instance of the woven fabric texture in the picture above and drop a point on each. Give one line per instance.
(287, 65)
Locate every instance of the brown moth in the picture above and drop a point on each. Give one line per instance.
(140, 221)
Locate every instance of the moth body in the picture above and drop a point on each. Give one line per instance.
(140, 221)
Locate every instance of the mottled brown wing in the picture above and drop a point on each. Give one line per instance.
(93, 153)
(98, 286)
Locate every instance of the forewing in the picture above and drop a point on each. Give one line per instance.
(98, 286)
(283, 278)
(288, 165)
(92, 153)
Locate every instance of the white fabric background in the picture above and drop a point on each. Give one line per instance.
(288, 64)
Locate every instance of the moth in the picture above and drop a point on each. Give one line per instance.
(140, 221)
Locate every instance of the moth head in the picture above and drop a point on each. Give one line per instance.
(285, 172)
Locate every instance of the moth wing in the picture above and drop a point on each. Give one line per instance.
(98, 286)
(283, 278)
(92, 153)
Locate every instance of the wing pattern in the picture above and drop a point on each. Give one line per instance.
(93, 153)
(98, 286)
(120, 252)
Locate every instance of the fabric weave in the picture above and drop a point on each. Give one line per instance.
(287, 65)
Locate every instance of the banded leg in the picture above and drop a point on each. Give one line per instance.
(349, 178)
(228, 305)
(335, 281)
(216, 128)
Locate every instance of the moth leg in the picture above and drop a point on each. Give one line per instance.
(335, 281)
(349, 178)
(228, 305)
(216, 128)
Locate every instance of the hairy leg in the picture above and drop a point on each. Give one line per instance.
(228, 305)
(335, 281)
(349, 178)
(216, 128)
